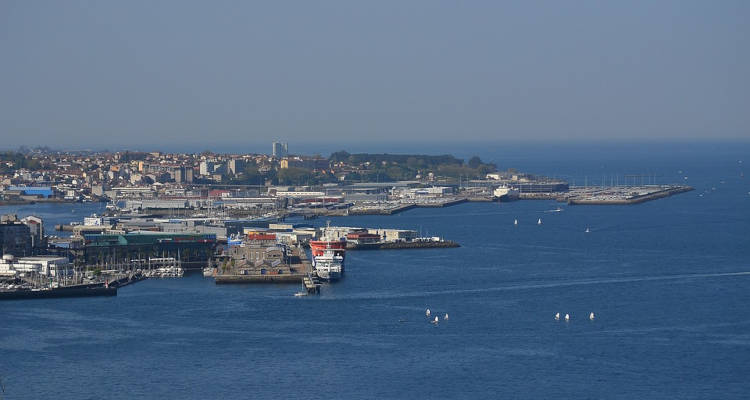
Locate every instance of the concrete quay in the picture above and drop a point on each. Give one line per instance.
(623, 195)
(283, 273)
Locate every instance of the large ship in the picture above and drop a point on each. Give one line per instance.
(318, 247)
(329, 265)
(505, 193)
(331, 253)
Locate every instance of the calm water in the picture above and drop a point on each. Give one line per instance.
(669, 282)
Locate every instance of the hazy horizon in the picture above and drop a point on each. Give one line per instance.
(149, 75)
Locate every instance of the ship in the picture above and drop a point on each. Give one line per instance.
(331, 252)
(329, 265)
(505, 193)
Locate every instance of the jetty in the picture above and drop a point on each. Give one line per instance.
(622, 195)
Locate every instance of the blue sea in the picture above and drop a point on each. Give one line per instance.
(668, 281)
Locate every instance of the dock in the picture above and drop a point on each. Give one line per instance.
(283, 273)
(311, 287)
(623, 195)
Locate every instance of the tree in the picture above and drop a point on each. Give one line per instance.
(475, 162)
(339, 156)
(294, 176)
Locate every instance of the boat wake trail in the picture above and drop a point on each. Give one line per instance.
(547, 285)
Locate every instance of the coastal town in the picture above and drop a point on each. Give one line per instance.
(239, 218)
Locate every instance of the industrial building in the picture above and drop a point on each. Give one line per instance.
(191, 250)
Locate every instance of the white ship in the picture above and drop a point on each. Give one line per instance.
(505, 193)
(329, 265)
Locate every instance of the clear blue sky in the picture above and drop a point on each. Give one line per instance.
(90, 74)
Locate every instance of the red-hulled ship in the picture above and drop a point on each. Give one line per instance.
(318, 247)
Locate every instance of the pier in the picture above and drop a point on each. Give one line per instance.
(622, 195)
(293, 272)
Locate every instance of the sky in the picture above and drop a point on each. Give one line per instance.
(237, 74)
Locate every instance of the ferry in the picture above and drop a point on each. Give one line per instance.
(318, 247)
(329, 265)
(505, 193)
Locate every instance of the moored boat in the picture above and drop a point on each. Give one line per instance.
(329, 265)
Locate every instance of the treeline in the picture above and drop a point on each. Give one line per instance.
(19, 161)
(410, 160)
(393, 167)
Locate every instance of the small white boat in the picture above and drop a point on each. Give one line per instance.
(446, 316)
(567, 317)
(539, 221)
(587, 229)
(557, 317)
(427, 313)
(436, 320)
(300, 294)
(591, 316)
(515, 222)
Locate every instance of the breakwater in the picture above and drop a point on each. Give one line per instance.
(626, 198)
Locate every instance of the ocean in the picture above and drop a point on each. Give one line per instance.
(668, 281)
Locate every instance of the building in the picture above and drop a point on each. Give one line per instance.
(206, 168)
(280, 149)
(394, 235)
(15, 236)
(236, 166)
(36, 230)
(51, 266)
(39, 191)
(312, 163)
(362, 238)
(192, 250)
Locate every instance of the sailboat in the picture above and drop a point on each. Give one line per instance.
(587, 229)
(539, 222)
(515, 222)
